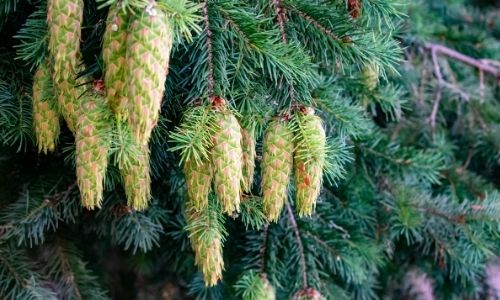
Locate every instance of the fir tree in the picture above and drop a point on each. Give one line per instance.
(387, 112)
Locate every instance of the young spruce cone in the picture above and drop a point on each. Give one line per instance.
(308, 294)
(45, 115)
(198, 181)
(309, 160)
(148, 51)
(64, 19)
(113, 54)
(276, 167)
(248, 146)
(93, 135)
(227, 157)
(205, 241)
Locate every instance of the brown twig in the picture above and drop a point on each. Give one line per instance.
(318, 26)
(263, 248)
(478, 64)
(295, 228)
(209, 49)
(280, 17)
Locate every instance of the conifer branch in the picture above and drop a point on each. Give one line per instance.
(208, 32)
(318, 25)
(296, 232)
(281, 18)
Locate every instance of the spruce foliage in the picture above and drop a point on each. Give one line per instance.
(407, 93)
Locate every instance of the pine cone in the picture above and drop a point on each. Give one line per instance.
(248, 146)
(270, 292)
(93, 135)
(114, 56)
(45, 115)
(137, 180)
(276, 167)
(370, 76)
(309, 160)
(64, 19)
(208, 251)
(354, 8)
(198, 181)
(227, 157)
(148, 52)
(308, 294)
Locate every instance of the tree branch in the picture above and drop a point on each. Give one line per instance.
(209, 49)
(263, 248)
(280, 17)
(481, 65)
(295, 228)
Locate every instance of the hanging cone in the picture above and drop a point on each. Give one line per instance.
(276, 167)
(309, 160)
(227, 157)
(269, 291)
(133, 162)
(370, 76)
(354, 8)
(45, 115)
(148, 51)
(137, 180)
(206, 241)
(93, 135)
(198, 181)
(64, 19)
(248, 146)
(114, 47)
(308, 294)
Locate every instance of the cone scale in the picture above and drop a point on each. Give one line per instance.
(45, 114)
(276, 167)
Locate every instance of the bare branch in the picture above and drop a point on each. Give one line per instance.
(481, 65)
(295, 228)
(209, 49)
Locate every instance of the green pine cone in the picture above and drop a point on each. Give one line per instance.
(270, 292)
(370, 76)
(309, 161)
(248, 145)
(137, 180)
(276, 167)
(45, 115)
(227, 157)
(198, 181)
(148, 51)
(205, 241)
(308, 294)
(114, 48)
(93, 135)
(64, 19)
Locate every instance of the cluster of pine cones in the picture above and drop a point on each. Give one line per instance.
(136, 50)
(125, 106)
(292, 142)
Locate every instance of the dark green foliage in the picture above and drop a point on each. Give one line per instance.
(413, 159)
